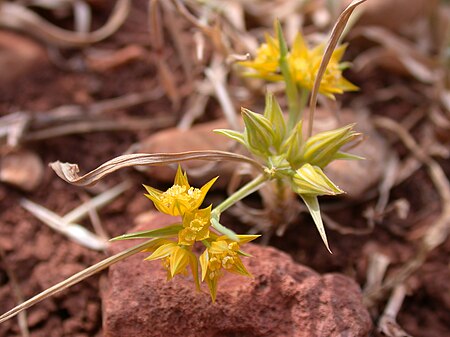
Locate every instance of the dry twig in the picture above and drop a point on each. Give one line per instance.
(16, 16)
(438, 232)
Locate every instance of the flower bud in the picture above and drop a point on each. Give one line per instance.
(274, 114)
(293, 146)
(310, 180)
(323, 147)
(258, 132)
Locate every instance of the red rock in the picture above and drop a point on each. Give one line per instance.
(283, 299)
(18, 55)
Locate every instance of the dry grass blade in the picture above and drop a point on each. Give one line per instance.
(13, 126)
(331, 45)
(175, 30)
(82, 16)
(100, 200)
(376, 270)
(99, 125)
(166, 76)
(416, 62)
(74, 279)
(22, 319)
(388, 181)
(69, 172)
(387, 323)
(74, 232)
(213, 33)
(438, 232)
(217, 76)
(16, 16)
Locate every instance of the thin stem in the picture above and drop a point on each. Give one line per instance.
(240, 194)
(292, 95)
(331, 45)
(291, 87)
(74, 279)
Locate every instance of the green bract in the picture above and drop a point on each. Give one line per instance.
(310, 180)
(275, 116)
(258, 134)
(323, 148)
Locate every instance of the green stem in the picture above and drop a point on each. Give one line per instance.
(240, 194)
(291, 87)
(291, 94)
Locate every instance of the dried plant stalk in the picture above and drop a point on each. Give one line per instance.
(331, 45)
(69, 172)
(16, 16)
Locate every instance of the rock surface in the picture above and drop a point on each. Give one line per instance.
(283, 299)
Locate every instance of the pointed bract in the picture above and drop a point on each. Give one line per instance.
(293, 146)
(179, 260)
(310, 180)
(258, 132)
(275, 116)
(222, 253)
(181, 197)
(313, 206)
(324, 147)
(235, 135)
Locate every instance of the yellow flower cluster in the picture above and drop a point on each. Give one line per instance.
(303, 65)
(183, 200)
(223, 254)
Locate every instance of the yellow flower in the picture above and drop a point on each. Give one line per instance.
(181, 197)
(304, 65)
(266, 63)
(176, 258)
(223, 253)
(196, 226)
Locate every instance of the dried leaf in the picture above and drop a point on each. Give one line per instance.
(69, 172)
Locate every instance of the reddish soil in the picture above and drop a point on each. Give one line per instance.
(39, 257)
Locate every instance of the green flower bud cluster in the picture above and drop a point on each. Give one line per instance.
(290, 157)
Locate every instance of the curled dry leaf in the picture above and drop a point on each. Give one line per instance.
(23, 169)
(394, 14)
(69, 172)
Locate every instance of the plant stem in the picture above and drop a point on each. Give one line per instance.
(240, 194)
(292, 96)
(291, 87)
